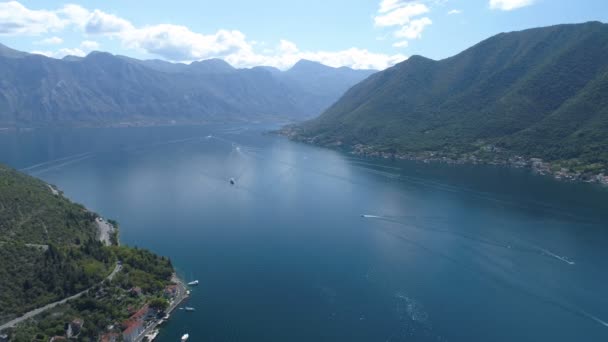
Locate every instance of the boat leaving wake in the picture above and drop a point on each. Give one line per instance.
(515, 247)
(558, 257)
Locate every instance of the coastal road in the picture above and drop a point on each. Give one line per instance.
(37, 311)
(180, 295)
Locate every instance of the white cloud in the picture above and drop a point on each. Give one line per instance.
(104, 23)
(70, 52)
(401, 44)
(454, 11)
(61, 53)
(81, 51)
(43, 52)
(389, 5)
(406, 15)
(16, 19)
(287, 54)
(89, 45)
(50, 41)
(179, 43)
(414, 29)
(401, 15)
(75, 14)
(508, 5)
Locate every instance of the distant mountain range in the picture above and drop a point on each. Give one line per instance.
(541, 93)
(105, 89)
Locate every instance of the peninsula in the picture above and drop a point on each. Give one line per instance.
(64, 274)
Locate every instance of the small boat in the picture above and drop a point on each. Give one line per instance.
(188, 308)
(185, 337)
(232, 181)
(193, 283)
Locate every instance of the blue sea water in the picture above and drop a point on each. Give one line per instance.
(315, 245)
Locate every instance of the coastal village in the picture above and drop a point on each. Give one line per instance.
(490, 155)
(143, 323)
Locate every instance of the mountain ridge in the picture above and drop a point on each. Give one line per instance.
(105, 89)
(537, 93)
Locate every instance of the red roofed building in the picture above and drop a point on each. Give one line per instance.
(134, 326)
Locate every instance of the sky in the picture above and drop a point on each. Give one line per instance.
(362, 34)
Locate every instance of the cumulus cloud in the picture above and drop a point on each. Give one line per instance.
(61, 52)
(287, 54)
(509, 5)
(404, 14)
(74, 14)
(100, 22)
(70, 52)
(179, 43)
(81, 51)
(400, 15)
(414, 29)
(454, 11)
(17, 19)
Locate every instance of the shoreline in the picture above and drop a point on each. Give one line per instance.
(536, 165)
(485, 155)
(152, 330)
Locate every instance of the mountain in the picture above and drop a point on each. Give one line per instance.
(319, 84)
(7, 52)
(35, 223)
(105, 89)
(541, 93)
(51, 248)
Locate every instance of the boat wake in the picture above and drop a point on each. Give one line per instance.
(596, 319)
(516, 247)
(54, 161)
(558, 257)
(371, 216)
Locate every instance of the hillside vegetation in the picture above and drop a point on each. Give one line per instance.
(48, 245)
(536, 93)
(49, 250)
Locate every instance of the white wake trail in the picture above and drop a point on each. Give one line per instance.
(558, 257)
(74, 156)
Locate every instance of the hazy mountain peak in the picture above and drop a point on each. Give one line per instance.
(5, 51)
(95, 54)
(307, 65)
(72, 58)
(213, 65)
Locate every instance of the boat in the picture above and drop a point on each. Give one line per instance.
(185, 337)
(193, 283)
(232, 181)
(188, 308)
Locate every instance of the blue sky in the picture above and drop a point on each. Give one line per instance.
(359, 34)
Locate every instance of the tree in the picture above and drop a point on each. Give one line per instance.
(159, 304)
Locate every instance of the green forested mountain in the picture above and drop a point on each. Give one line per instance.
(102, 89)
(48, 245)
(541, 92)
(49, 250)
